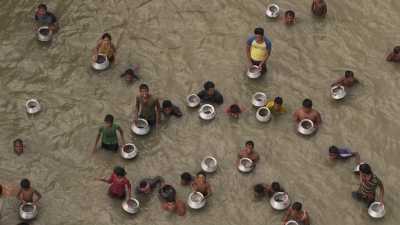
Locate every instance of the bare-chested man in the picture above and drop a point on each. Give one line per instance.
(307, 112)
(319, 8)
(347, 80)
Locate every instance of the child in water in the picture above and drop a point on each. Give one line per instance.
(108, 134)
(169, 109)
(234, 111)
(395, 55)
(276, 106)
(186, 179)
(290, 17)
(120, 187)
(130, 75)
(248, 152)
(201, 185)
(27, 193)
(45, 18)
(341, 153)
(18, 146)
(104, 47)
(260, 190)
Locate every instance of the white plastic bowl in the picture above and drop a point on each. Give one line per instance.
(254, 72)
(338, 92)
(130, 206)
(28, 211)
(101, 62)
(263, 114)
(259, 99)
(272, 11)
(246, 165)
(33, 106)
(280, 201)
(207, 112)
(196, 200)
(376, 210)
(129, 151)
(193, 100)
(306, 127)
(209, 164)
(141, 127)
(291, 222)
(44, 34)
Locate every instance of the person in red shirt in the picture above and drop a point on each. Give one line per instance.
(120, 185)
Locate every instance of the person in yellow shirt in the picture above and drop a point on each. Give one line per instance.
(258, 49)
(276, 106)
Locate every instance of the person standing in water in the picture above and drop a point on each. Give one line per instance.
(369, 182)
(209, 94)
(147, 107)
(104, 47)
(27, 194)
(258, 49)
(45, 18)
(120, 187)
(307, 112)
(347, 80)
(297, 214)
(108, 134)
(201, 185)
(319, 8)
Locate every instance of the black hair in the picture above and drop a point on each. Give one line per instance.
(1, 189)
(275, 186)
(307, 103)
(143, 86)
(250, 143)
(209, 84)
(365, 168)
(259, 189)
(201, 173)
(278, 100)
(186, 177)
(167, 104)
(18, 140)
(297, 206)
(348, 73)
(119, 171)
(235, 108)
(25, 183)
(42, 6)
(23, 223)
(259, 31)
(396, 50)
(290, 13)
(168, 193)
(333, 150)
(109, 118)
(143, 184)
(106, 35)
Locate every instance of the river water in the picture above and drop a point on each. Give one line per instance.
(179, 44)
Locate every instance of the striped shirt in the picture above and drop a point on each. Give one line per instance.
(369, 187)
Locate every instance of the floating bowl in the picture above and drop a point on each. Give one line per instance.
(272, 11)
(254, 72)
(263, 114)
(376, 210)
(130, 206)
(291, 222)
(44, 34)
(101, 62)
(32, 106)
(193, 100)
(141, 127)
(209, 164)
(129, 151)
(338, 92)
(259, 99)
(280, 201)
(196, 200)
(306, 127)
(28, 211)
(207, 112)
(246, 165)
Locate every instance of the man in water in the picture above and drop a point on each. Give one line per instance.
(319, 8)
(395, 55)
(210, 95)
(369, 182)
(45, 18)
(297, 214)
(307, 112)
(347, 80)
(108, 134)
(248, 152)
(27, 193)
(258, 49)
(147, 106)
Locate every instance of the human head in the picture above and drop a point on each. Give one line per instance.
(307, 105)
(168, 193)
(129, 75)
(25, 183)
(297, 206)
(259, 33)
(119, 171)
(235, 110)
(333, 151)
(365, 172)
(144, 91)
(250, 145)
(167, 106)
(41, 10)
(201, 176)
(109, 120)
(23, 223)
(396, 50)
(259, 190)
(186, 178)
(289, 17)
(106, 37)
(18, 146)
(349, 74)
(144, 187)
(275, 186)
(209, 86)
(278, 101)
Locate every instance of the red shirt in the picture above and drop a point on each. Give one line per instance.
(118, 185)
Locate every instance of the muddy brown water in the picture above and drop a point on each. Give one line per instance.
(179, 44)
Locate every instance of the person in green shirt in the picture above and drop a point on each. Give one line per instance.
(108, 134)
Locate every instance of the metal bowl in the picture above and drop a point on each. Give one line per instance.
(246, 165)
(28, 211)
(32, 106)
(357, 167)
(280, 201)
(141, 127)
(193, 100)
(101, 62)
(291, 222)
(263, 114)
(207, 112)
(259, 99)
(254, 72)
(338, 92)
(376, 210)
(129, 151)
(196, 200)
(130, 206)
(44, 34)
(209, 164)
(306, 127)
(272, 11)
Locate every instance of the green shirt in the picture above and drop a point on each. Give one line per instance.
(109, 134)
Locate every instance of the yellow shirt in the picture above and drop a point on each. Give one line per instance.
(258, 51)
(270, 106)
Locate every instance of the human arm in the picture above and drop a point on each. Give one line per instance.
(338, 81)
(122, 135)
(136, 109)
(389, 58)
(219, 99)
(296, 117)
(248, 50)
(286, 216)
(97, 141)
(318, 120)
(38, 196)
(158, 110)
(306, 220)
(20, 196)
(381, 192)
(357, 156)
